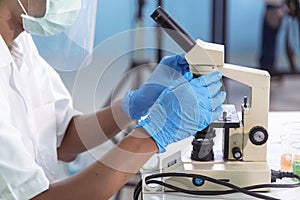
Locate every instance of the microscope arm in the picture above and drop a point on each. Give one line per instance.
(259, 82)
(255, 115)
(207, 57)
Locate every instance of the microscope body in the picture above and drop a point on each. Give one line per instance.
(243, 158)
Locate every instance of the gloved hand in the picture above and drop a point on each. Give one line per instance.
(181, 111)
(137, 103)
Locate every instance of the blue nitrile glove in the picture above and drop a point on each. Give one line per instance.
(181, 111)
(137, 103)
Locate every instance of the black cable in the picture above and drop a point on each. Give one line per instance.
(138, 190)
(206, 178)
(246, 190)
(208, 193)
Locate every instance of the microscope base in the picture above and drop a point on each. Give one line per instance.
(241, 174)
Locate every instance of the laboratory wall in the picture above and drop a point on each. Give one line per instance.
(117, 40)
(244, 28)
(115, 17)
(244, 25)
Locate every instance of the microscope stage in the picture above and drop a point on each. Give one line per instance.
(230, 118)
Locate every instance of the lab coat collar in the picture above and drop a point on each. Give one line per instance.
(5, 56)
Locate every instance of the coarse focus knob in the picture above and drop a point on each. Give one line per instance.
(258, 135)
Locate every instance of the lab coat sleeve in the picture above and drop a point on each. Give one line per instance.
(57, 92)
(21, 178)
(54, 91)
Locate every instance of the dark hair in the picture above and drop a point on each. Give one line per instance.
(297, 7)
(296, 4)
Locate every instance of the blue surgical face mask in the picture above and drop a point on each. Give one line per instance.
(59, 15)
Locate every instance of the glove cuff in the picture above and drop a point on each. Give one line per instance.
(155, 127)
(149, 130)
(125, 103)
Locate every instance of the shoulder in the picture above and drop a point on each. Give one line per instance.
(33, 58)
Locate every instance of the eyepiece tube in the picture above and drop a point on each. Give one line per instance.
(173, 29)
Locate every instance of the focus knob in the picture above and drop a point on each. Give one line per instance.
(237, 153)
(258, 135)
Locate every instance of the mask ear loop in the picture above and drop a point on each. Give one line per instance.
(20, 3)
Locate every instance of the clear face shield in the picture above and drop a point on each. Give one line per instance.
(69, 27)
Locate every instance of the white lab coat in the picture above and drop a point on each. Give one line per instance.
(35, 111)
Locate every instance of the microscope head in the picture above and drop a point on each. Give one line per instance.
(205, 57)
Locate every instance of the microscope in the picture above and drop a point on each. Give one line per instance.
(242, 160)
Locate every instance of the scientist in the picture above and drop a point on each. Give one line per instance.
(38, 125)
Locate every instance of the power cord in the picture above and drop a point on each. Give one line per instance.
(152, 179)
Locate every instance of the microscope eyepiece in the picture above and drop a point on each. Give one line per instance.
(163, 20)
